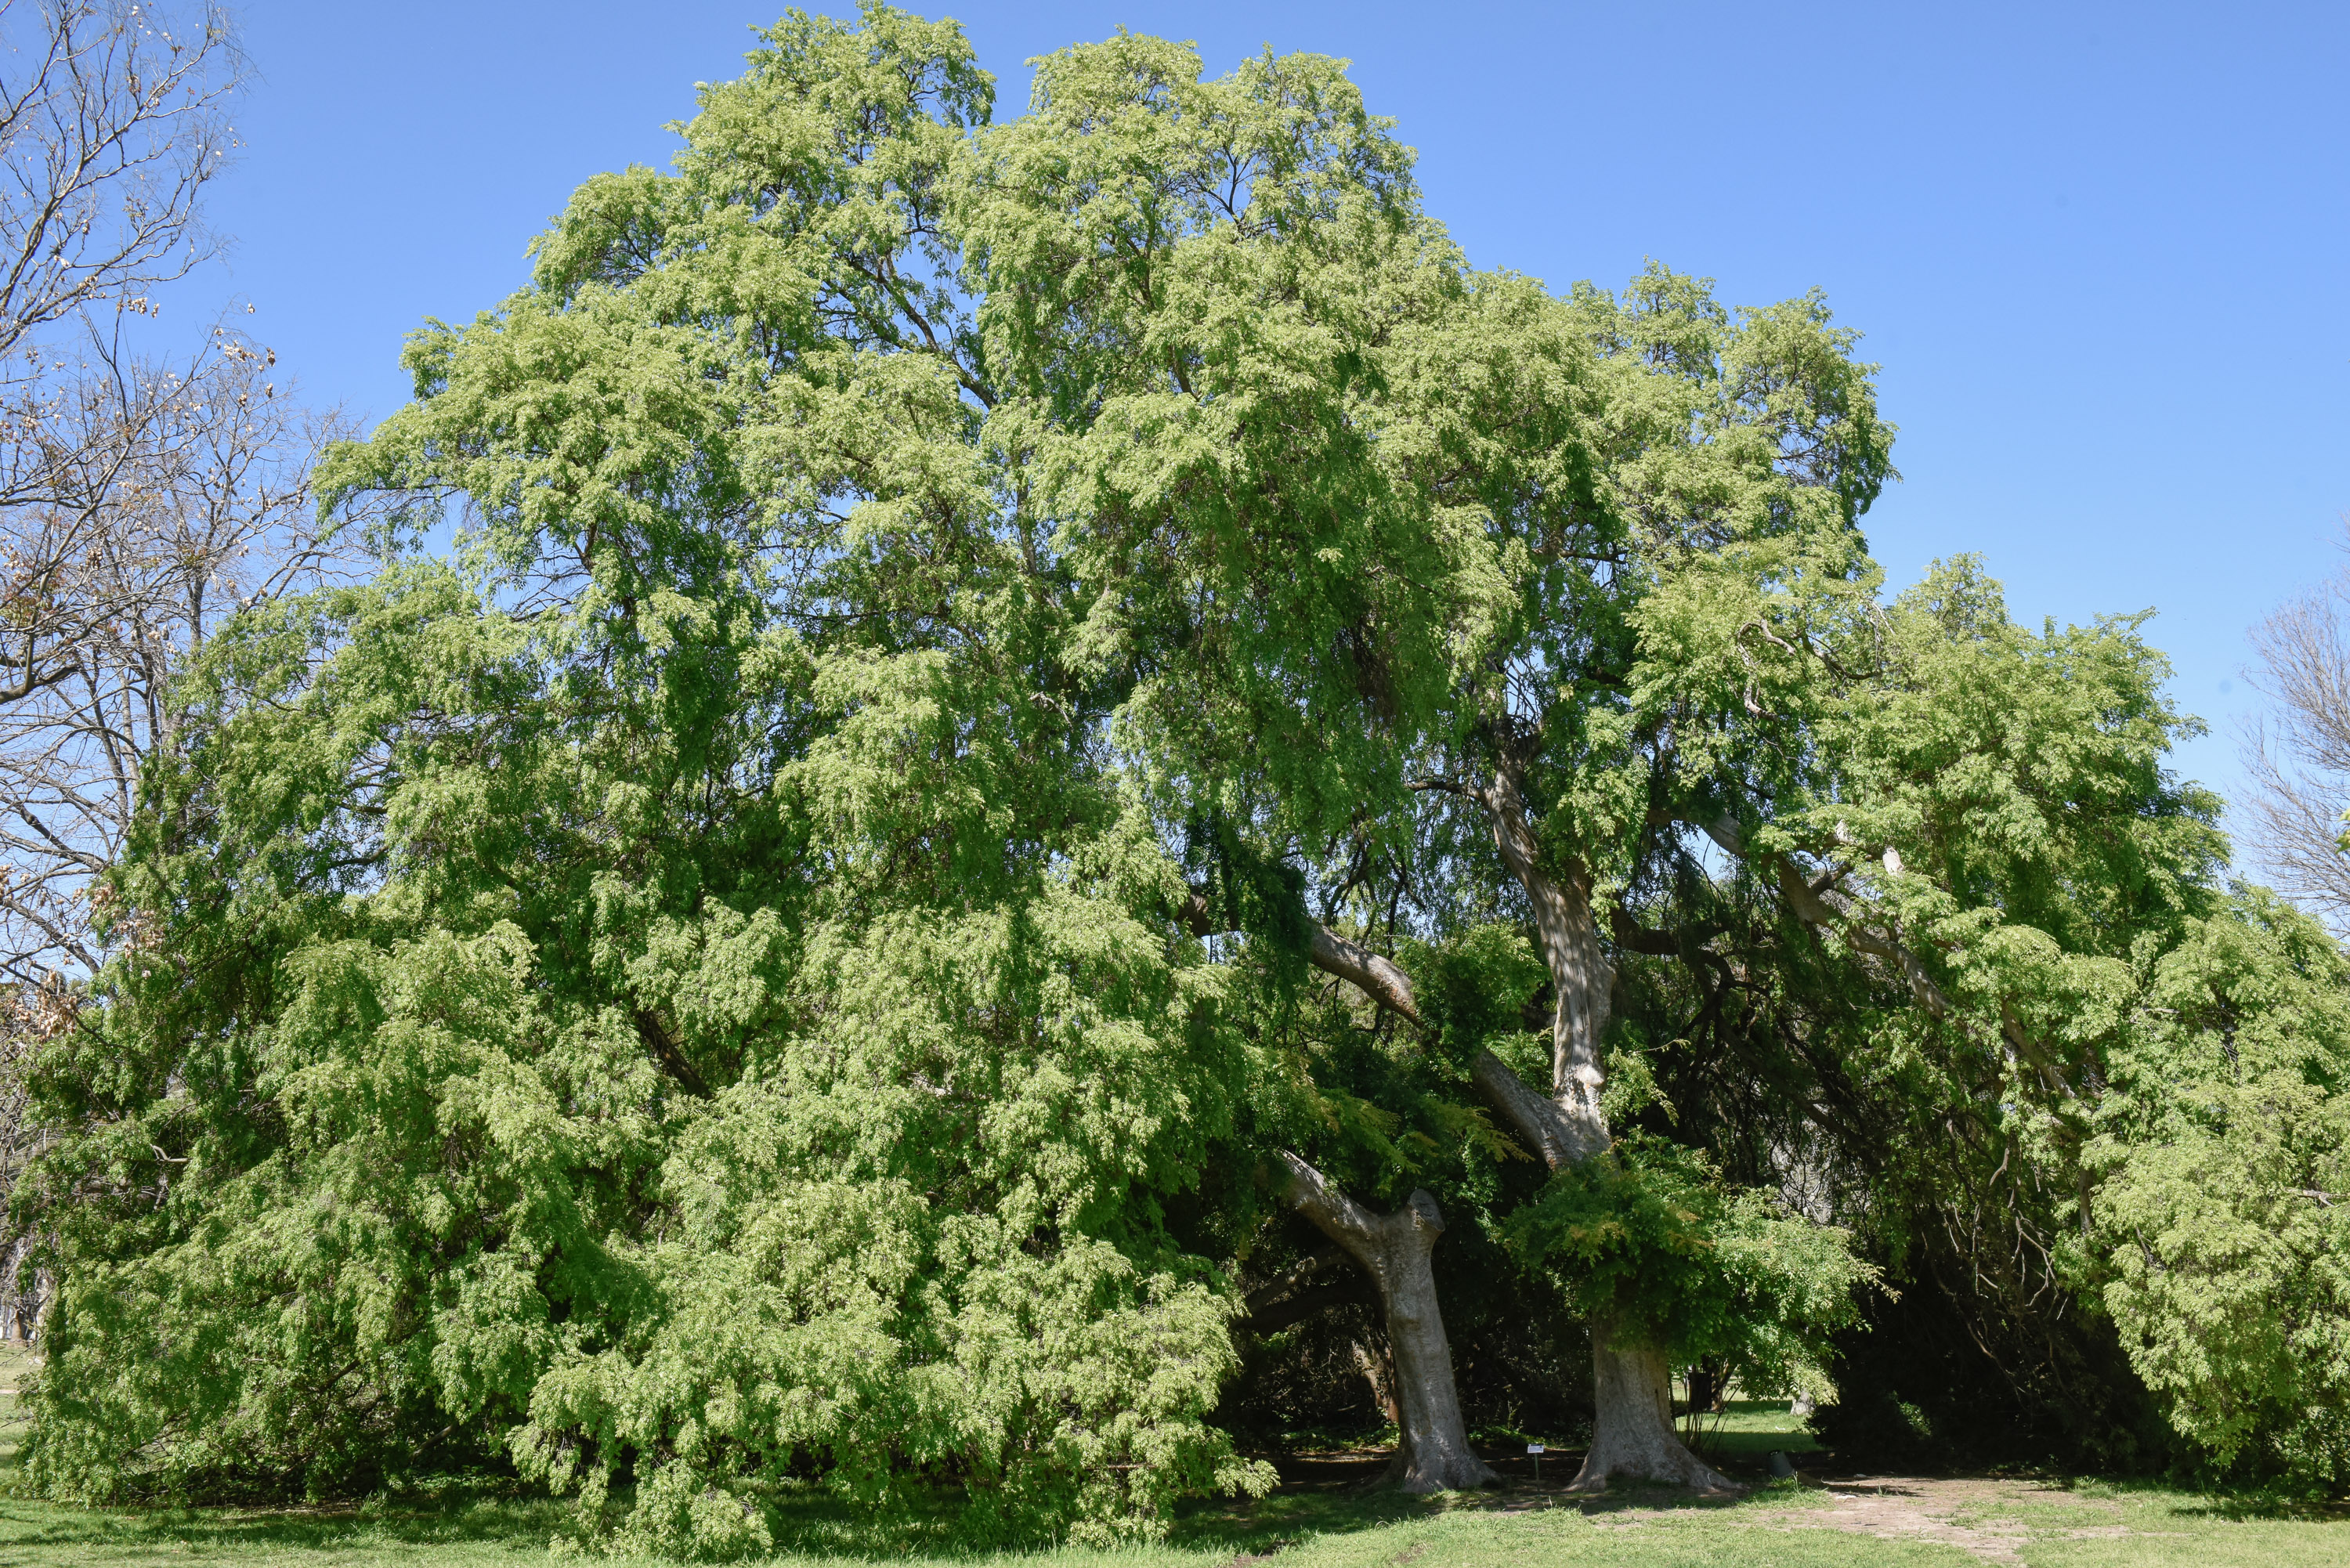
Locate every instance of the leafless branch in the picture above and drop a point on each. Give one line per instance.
(140, 505)
(2299, 757)
(111, 124)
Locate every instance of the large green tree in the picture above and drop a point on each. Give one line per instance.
(792, 958)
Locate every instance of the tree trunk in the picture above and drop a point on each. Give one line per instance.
(1632, 1434)
(1378, 1373)
(1579, 970)
(1706, 1393)
(1433, 1454)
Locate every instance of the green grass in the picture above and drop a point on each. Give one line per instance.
(1934, 1524)
(1745, 1434)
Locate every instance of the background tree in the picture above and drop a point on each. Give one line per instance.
(2300, 761)
(133, 495)
(174, 495)
(2222, 1153)
(111, 120)
(1989, 844)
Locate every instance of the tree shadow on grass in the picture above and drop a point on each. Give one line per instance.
(1320, 1495)
(2233, 1505)
(1341, 1494)
(2238, 1508)
(36, 1531)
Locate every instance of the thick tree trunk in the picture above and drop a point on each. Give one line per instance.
(1579, 970)
(1631, 1388)
(1633, 1433)
(1395, 1249)
(1633, 1436)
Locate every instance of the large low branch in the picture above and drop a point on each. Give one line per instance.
(1559, 1139)
(1636, 938)
(1336, 1215)
(1374, 974)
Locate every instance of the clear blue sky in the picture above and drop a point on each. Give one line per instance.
(2099, 249)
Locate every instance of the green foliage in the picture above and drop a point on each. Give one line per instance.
(2223, 1206)
(674, 1003)
(1476, 989)
(1653, 1241)
(1960, 842)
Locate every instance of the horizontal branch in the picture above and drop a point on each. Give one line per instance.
(1634, 936)
(1374, 974)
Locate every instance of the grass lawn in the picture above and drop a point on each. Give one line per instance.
(1324, 1519)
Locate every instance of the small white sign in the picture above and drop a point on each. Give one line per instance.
(1534, 1447)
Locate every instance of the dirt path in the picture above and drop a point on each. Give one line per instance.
(1976, 1516)
(1990, 1518)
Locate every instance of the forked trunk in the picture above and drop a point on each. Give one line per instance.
(1394, 1249)
(1633, 1436)
(1633, 1433)
(1433, 1453)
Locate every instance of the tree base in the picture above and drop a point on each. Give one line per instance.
(1394, 1249)
(1633, 1436)
(1453, 1470)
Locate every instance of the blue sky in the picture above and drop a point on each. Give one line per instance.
(2099, 249)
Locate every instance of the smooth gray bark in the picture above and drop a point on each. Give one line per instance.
(1633, 1436)
(1580, 974)
(1395, 1249)
(1632, 1429)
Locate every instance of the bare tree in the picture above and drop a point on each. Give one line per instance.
(111, 124)
(141, 501)
(2299, 757)
(179, 494)
(126, 489)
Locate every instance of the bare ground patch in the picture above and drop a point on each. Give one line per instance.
(1983, 1517)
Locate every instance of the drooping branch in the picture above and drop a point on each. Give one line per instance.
(1297, 1295)
(1294, 1295)
(1293, 1278)
(1296, 1309)
(1818, 904)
